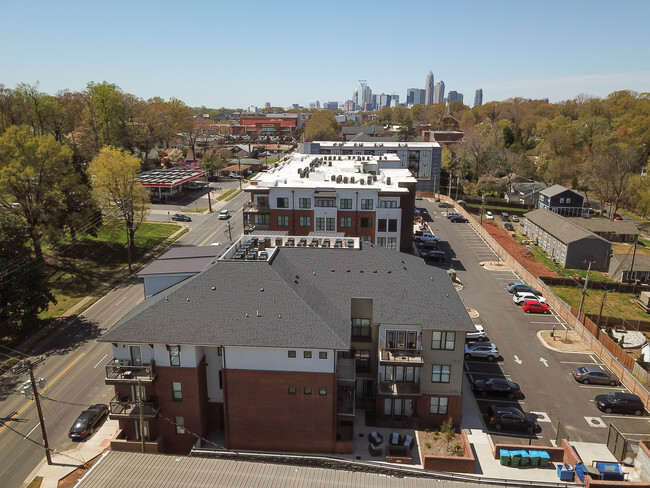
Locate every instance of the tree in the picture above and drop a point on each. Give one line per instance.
(406, 131)
(23, 285)
(114, 177)
(37, 173)
(322, 126)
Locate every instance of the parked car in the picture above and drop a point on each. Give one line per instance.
(458, 220)
(533, 306)
(619, 402)
(617, 217)
(437, 256)
(87, 421)
(521, 296)
(478, 335)
(224, 214)
(451, 215)
(512, 285)
(505, 217)
(593, 374)
(504, 417)
(444, 205)
(489, 215)
(181, 218)
(427, 246)
(509, 227)
(426, 237)
(234, 175)
(418, 196)
(527, 288)
(497, 387)
(194, 186)
(514, 218)
(486, 350)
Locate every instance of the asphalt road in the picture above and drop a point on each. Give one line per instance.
(74, 368)
(543, 374)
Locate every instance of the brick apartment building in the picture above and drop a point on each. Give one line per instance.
(279, 353)
(371, 197)
(271, 125)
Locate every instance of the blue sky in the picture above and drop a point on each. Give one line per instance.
(236, 54)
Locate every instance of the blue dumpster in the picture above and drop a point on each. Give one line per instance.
(565, 472)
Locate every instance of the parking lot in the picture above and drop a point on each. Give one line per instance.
(543, 373)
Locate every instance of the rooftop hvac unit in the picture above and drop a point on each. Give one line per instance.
(351, 179)
(388, 180)
(330, 163)
(333, 178)
(362, 182)
(370, 179)
(339, 178)
(345, 179)
(374, 177)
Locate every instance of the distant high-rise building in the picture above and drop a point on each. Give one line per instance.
(415, 96)
(295, 105)
(267, 104)
(349, 106)
(439, 92)
(428, 89)
(394, 100)
(410, 94)
(355, 98)
(478, 97)
(454, 95)
(364, 95)
(333, 106)
(252, 109)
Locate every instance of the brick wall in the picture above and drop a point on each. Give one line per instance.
(454, 464)
(262, 415)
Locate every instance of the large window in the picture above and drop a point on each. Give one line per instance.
(330, 223)
(361, 327)
(438, 405)
(304, 203)
(320, 223)
(362, 359)
(381, 241)
(263, 219)
(174, 355)
(283, 221)
(392, 225)
(388, 204)
(392, 243)
(366, 204)
(381, 225)
(346, 203)
(366, 222)
(443, 340)
(325, 202)
(180, 425)
(441, 373)
(345, 222)
(177, 391)
(305, 221)
(283, 202)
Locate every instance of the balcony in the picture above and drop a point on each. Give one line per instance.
(121, 409)
(250, 207)
(399, 388)
(346, 371)
(391, 356)
(120, 372)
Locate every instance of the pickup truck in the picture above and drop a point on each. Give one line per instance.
(425, 237)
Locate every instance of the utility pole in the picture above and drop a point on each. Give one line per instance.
(209, 189)
(629, 276)
(29, 366)
(228, 230)
(141, 415)
(602, 304)
(584, 290)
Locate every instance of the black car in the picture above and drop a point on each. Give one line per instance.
(87, 421)
(181, 218)
(525, 288)
(503, 417)
(619, 402)
(496, 386)
(509, 227)
(458, 220)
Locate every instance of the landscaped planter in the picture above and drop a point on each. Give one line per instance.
(454, 464)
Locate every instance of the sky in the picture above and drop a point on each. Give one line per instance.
(238, 54)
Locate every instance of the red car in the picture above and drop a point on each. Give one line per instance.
(533, 306)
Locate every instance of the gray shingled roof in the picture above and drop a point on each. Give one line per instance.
(183, 259)
(555, 190)
(641, 262)
(301, 298)
(621, 227)
(560, 227)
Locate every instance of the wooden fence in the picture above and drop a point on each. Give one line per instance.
(579, 282)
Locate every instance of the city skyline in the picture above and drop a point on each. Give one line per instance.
(139, 49)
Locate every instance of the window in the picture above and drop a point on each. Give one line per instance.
(307, 391)
(283, 221)
(283, 202)
(392, 225)
(174, 355)
(381, 225)
(345, 222)
(381, 241)
(291, 354)
(320, 223)
(392, 243)
(366, 222)
(362, 359)
(346, 203)
(177, 391)
(263, 219)
(180, 425)
(306, 354)
(361, 327)
(443, 340)
(440, 373)
(322, 355)
(305, 221)
(330, 223)
(366, 204)
(322, 391)
(438, 405)
(388, 204)
(568, 200)
(329, 202)
(292, 390)
(365, 238)
(304, 203)
(561, 200)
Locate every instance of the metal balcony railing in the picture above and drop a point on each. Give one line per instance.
(120, 371)
(122, 408)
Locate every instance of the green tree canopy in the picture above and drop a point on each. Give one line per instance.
(322, 126)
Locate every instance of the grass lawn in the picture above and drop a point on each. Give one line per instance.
(79, 269)
(616, 304)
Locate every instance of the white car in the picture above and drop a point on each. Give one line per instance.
(224, 215)
(478, 335)
(489, 216)
(521, 296)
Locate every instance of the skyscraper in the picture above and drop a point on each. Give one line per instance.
(439, 92)
(428, 89)
(454, 95)
(363, 96)
(478, 97)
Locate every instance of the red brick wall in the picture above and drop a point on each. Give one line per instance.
(427, 419)
(453, 464)
(262, 415)
(294, 222)
(359, 231)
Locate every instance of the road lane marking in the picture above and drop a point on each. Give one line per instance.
(208, 238)
(30, 432)
(120, 301)
(100, 361)
(517, 360)
(16, 414)
(544, 361)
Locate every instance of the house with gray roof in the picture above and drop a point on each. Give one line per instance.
(524, 192)
(568, 244)
(279, 353)
(612, 230)
(630, 267)
(561, 200)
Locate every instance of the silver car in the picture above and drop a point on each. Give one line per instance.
(595, 375)
(485, 350)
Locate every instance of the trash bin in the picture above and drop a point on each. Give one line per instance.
(565, 472)
(534, 458)
(525, 458)
(544, 459)
(504, 457)
(515, 458)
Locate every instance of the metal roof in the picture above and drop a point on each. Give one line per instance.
(168, 178)
(166, 471)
